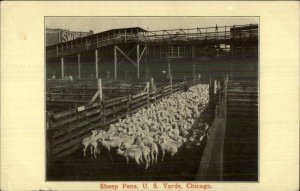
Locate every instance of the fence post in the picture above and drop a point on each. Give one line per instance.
(50, 156)
(148, 93)
(103, 113)
(129, 104)
(100, 89)
(171, 82)
(225, 89)
(49, 136)
(101, 101)
(153, 85)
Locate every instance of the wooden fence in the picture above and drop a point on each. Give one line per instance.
(74, 94)
(67, 129)
(241, 131)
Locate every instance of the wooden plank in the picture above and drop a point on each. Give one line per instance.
(81, 115)
(68, 152)
(74, 139)
(74, 127)
(63, 114)
(119, 101)
(139, 99)
(139, 95)
(64, 122)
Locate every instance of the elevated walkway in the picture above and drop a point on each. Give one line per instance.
(222, 34)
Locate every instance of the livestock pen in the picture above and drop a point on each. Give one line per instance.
(67, 129)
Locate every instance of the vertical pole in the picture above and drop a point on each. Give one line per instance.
(169, 68)
(96, 62)
(97, 40)
(193, 52)
(159, 52)
(79, 69)
(154, 57)
(194, 71)
(62, 68)
(148, 93)
(138, 60)
(171, 82)
(100, 89)
(115, 64)
(216, 31)
(153, 85)
(56, 50)
(193, 56)
(146, 62)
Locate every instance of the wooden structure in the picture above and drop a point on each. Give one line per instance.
(67, 129)
(137, 53)
(231, 153)
(241, 139)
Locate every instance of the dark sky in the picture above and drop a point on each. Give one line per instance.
(99, 24)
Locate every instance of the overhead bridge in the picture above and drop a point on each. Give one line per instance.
(221, 34)
(136, 53)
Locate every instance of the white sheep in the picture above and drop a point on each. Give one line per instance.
(167, 147)
(144, 149)
(134, 154)
(86, 142)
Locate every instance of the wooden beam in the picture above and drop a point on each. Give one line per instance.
(125, 55)
(142, 53)
(62, 68)
(138, 60)
(96, 63)
(79, 68)
(193, 52)
(100, 89)
(94, 97)
(115, 62)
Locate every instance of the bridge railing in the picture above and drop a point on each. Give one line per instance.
(208, 33)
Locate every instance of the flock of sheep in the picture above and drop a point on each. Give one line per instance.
(160, 129)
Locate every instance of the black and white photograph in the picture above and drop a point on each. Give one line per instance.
(149, 95)
(152, 98)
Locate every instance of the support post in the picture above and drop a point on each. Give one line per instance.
(193, 52)
(148, 93)
(96, 62)
(169, 68)
(115, 62)
(153, 85)
(138, 60)
(159, 52)
(79, 68)
(171, 82)
(129, 110)
(193, 59)
(194, 70)
(62, 68)
(100, 89)
(178, 52)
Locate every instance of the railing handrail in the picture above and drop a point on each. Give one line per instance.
(220, 33)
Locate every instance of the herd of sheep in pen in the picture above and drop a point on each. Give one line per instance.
(159, 129)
